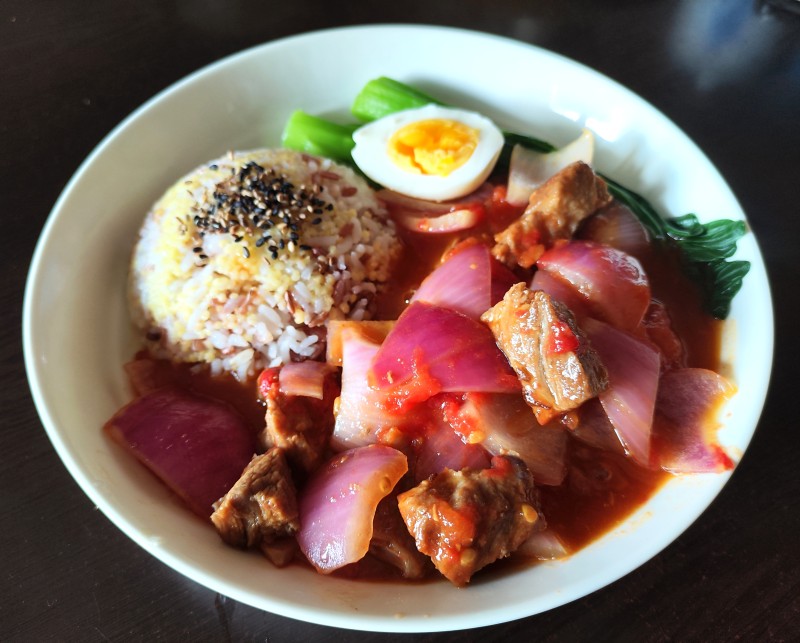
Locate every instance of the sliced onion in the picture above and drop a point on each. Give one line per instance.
(469, 281)
(561, 291)
(616, 226)
(375, 331)
(433, 349)
(444, 447)
(543, 545)
(688, 400)
(362, 411)
(305, 379)
(394, 199)
(434, 217)
(337, 505)
(613, 283)
(528, 169)
(595, 429)
(505, 423)
(633, 369)
(196, 446)
(416, 221)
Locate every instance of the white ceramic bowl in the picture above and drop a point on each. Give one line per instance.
(77, 335)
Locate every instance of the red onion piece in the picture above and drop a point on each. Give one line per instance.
(613, 283)
(198, 447)
(375, 331)
(433, 349)
(560, 290)
(444, 446)
(469, 281)
(633, 369)
(528, 169)
(462, 219)
(504, 423)
(543, 545)
(595, 429)
(688, 399)
(433, 217)
(303, 378)
(337, 505)
(394, 199)
(362, 411)
(616, 226)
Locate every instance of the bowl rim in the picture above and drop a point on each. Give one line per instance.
(332, 617)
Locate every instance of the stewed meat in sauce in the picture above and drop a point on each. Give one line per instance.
(300, 426)
(462, 517)
(261, 507)
(465, 520)
(555, 210)
(558, 368)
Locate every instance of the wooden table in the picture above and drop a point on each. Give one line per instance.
(726, 71)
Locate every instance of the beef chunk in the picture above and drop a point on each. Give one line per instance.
(392, 543)
(300, 425)
(554, 212)
(465, 520)
(552, 357)
(261, 508)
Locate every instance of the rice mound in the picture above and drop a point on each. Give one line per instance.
(243, 261)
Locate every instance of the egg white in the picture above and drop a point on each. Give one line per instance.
(371, 155)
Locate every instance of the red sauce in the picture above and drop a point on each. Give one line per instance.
(601, 488)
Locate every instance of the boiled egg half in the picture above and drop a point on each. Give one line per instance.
(433, 152)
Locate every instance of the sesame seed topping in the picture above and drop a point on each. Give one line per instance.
(254, 199)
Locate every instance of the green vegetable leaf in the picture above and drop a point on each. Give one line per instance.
(704, 248)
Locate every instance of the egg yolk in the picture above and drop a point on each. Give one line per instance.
(433, 147)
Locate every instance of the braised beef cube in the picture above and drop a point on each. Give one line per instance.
(392, 543)
(261, 508)
(558, 368)
(300, 425)
(465, 520)
(554, 211)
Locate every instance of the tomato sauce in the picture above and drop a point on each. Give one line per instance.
(601, 488)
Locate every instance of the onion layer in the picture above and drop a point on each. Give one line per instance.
(433, 349)
(688, 399)
(196, 446)
(338, 504)
(633, 371)
(469, 281)
(611, 282)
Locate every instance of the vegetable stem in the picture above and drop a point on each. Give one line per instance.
(383, 96)
(319, 136)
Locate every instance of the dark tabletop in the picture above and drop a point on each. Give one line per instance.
(726, 71)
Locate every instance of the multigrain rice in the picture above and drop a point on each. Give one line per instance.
(243, 261)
